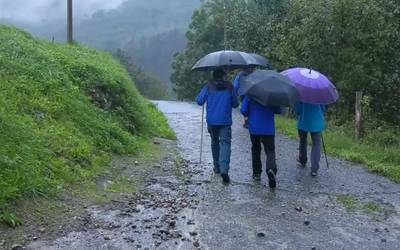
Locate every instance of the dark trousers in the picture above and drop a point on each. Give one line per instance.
(315, 149)
(269, 147)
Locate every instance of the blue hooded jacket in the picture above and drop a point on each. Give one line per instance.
(261, 118)
(236, 84)
(220, 101)
(237, 81)
(310, 117)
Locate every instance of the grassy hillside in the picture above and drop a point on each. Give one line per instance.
(63, 111)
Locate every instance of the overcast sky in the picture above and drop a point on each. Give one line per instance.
(47, 10)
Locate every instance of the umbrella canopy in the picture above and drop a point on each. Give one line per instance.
(261, 61)
(270, 88)
(314, 87)
(227, 59)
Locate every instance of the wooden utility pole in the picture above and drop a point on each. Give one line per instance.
(70, 38)
(358, 117)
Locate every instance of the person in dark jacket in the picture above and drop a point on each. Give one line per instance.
(262, 130)
(310, 119)
(220, 99)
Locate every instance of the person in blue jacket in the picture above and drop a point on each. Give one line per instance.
(310, 119)
(220, 99)
(238, 91)
(239, 77)
(262, 130)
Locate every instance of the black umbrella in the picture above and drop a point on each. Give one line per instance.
(227, 59)
(261, 61)
(270, 88)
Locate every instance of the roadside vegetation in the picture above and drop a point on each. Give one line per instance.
(379, 151)
(64, 111)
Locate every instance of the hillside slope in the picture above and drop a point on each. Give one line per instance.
(63, 111)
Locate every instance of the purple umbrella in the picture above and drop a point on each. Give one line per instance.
(314, 87)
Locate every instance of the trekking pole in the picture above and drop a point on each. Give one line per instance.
(201, 136)
(323, 145)
(287, 119)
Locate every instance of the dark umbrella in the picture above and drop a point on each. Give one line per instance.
(227, 59)
(261, 61)
(270, 88)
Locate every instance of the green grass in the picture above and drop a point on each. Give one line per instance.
(379, 151)
(64, 110)
(122, 184)
(371, 207)
(160, 123)
(10, 218)
(350, 203)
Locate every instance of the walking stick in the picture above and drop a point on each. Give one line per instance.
(201, 137)
(323, 144)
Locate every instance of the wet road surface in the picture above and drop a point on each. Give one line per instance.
(345, 207)
(159, 216)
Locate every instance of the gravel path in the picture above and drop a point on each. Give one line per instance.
(160, 216)
(185, 206)
(345, 207)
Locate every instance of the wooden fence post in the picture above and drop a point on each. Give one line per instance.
(358, 117)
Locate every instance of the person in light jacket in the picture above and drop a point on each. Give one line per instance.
(310, 120)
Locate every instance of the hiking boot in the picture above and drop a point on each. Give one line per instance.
(256, 177)
(225, 178)
(271, 178)
(216, 171)
(300, 164)
(314, 173)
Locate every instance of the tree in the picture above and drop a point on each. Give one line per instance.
(147, 84)
(205, 35)
(350, 42)
(354, 42)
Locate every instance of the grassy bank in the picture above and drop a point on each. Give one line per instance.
(64, 110)
(124, 181)
(379, 151)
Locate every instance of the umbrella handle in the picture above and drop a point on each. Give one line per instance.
(201, 136)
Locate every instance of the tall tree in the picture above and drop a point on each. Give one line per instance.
(205, 35)
(147, 84)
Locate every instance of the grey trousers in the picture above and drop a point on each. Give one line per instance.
(315, 149)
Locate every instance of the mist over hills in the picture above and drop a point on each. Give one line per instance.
(149, 31)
